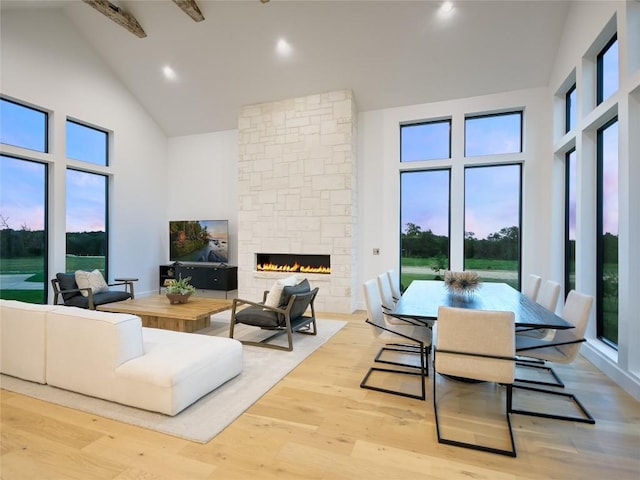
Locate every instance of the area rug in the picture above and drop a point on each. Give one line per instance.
(263, 368)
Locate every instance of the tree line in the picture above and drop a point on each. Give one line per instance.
(27, 243)
(502, 245)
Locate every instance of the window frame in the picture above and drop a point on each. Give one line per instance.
(567, 108)
(600, 69)
(45, 225)
(106, 178)
(520, 114)
(424, 123)
(520, 166)
(46, 124)
(400, 230)
(567, 210)
(107, 156)
(600, 235)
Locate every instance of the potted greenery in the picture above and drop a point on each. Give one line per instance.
(179, 291)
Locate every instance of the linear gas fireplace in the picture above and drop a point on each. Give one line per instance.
(293, 262)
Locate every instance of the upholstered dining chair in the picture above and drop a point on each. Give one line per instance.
(532, 287)
(388, 304)
(547, 297)
(396, 286)
(562, 348)
(461, 353)
(398, 339)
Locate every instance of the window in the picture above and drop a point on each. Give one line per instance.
(492, 213)
(607, 67)
(571, 109)
(607, 225)
(424, 219)
(87, 144)
(425, 141)
(23, 232)
(570, 222)
(23, 126)
(86, 221)
(493, 134)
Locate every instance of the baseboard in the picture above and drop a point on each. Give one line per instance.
(604, 363)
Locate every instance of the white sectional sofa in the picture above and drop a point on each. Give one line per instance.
(111, 356)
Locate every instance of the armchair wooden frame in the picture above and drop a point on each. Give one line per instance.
(303, 324)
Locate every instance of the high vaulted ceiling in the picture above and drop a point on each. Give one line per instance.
(390, 53)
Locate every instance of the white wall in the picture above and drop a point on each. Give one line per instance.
(589, 26)
(379, 178)
(202, 183)
(47, 64)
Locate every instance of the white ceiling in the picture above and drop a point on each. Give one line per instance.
(390, 53)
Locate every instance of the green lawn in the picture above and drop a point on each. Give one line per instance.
(34, 266)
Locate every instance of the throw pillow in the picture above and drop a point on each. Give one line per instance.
(302, 287)
(274, 295)
(93, 280)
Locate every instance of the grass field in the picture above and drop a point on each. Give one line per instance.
(34, 266)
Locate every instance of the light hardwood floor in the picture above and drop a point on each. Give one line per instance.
(318, 424)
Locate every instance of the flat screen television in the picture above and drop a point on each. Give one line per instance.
(199, 241)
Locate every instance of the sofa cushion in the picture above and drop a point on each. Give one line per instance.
(93, 280)
(99, 299)
(67, 281)
(275, 293)
(22, 339)
(176, 370)
(258, 317)
(85, 346)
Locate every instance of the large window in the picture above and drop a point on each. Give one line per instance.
(87, 143)
(424, 219)
(492, 198)
(493, 134)
(571, 109)
(607, 257)
(607, 66)
(86, 221)
(23, 126)
(23, 238)
(425, 141)
(570, 222)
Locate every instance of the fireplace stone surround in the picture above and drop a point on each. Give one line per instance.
(296, 187)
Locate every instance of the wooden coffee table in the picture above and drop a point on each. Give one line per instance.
(156, 311)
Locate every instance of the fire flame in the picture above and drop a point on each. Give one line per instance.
(296, 267)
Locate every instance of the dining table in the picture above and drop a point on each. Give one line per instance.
(421, 300)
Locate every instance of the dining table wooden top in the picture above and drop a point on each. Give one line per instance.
(422, 299)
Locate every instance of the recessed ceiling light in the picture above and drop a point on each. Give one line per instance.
(283, 48)
(169, 73)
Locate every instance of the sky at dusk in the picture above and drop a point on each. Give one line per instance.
(491, 193)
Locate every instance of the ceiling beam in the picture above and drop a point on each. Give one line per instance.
(118, 15)
(190, 7)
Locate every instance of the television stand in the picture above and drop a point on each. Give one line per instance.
(203, 277)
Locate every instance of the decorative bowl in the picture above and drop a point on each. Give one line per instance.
(178, 297)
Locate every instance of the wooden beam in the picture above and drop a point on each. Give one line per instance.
(118, 15)
(190, 7)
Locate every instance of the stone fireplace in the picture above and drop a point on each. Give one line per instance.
(296, 185)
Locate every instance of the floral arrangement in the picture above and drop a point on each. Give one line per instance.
(180, 286)
(461, 283)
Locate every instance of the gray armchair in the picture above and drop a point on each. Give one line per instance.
(65, 286)
(290, 316)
